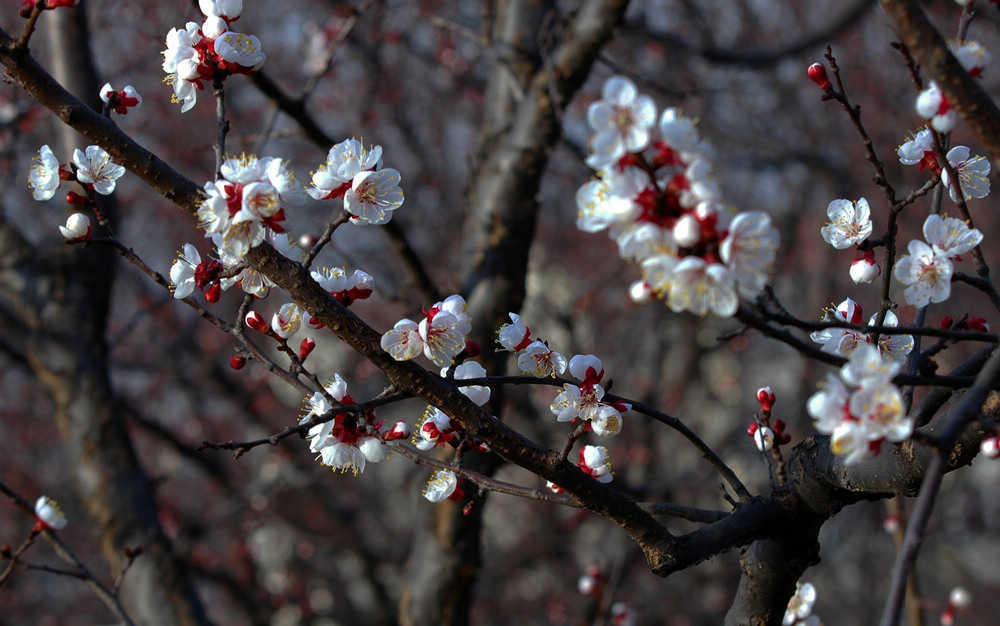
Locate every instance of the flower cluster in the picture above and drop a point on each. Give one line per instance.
(583, 402)
(93, 168)
(861, 408)
(849, 225)
(800, 606)
(246, 203)
(662, 206)
(209, 52)
(932, 104)
(926, 270)
(844, 341)
(346, 289)
(355, 174)
(440, 336)
(534, 358)
(347, 441)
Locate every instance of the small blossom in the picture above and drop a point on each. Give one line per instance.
(950, 235)
(850, 223)
(441, 486)
(973, 56)
(973, 174)
(471, 369)
(926, 272)
(77, 228)
(762, 436)
(373, 196)
(43, 178)
(221, 8)
(538, 360)
(919, 150)
(49, 514)
(595, 461)
(286, 321)
(621, 121)
(94, 167)
(241, 50)
(122, 100)
(990, 447)
(344, 161)
(515, 336)
(182, 272)
(404, 341)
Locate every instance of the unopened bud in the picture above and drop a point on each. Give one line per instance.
(400, 430)
(960, 598)
(256, 322)
(306, 347)
(864, 269)
(990, 448)
(817, 74)
(213, 293)
(237, 362)
(75, 199)
(766, 398)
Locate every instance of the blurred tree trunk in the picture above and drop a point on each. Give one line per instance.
(538, 64)
(55, 302)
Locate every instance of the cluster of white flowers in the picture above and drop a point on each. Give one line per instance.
(844, 341)
(344, 442)
(93, 168)
(800, 606)
(246, 203)
(209, 52)
(662, 206)
(861, 408)
(932, 104)
(584, 402)
(440, 336)
(354, 173)
(926, 270)
(534, 358)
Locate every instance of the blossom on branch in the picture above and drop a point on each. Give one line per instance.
(620, 120)
(210, 52)
(95, 168)
(48, 514)
(45, 174)
(973, 174)
(926, 272)
(441, 486)
(850, 223)
(77, 228)
(122, 100)
(344, 442)
(919, 150)
(595, 461)
(663, 207)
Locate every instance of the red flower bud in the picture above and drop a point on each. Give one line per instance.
(307, 346)
(946, 323)
(74, 198)
(256, 322)
(213, 293)
(237, 362)
(817, 74)
(472, 348)
(766, 398)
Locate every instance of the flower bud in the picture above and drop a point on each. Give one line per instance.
(766, 398)
(687, 231)
(864, 269)
(817, 74)
(472, 348)
(48, 514)
(960, 598)
(237, 362)
(77, 228)
(764, 438)
(400, 430)
(75, 199)
(213, 293)
(306, 347)
(990, 448)
(640, 292)
(850, 311)
(256, 322)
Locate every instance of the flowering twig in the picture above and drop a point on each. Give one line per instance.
(966, 412)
